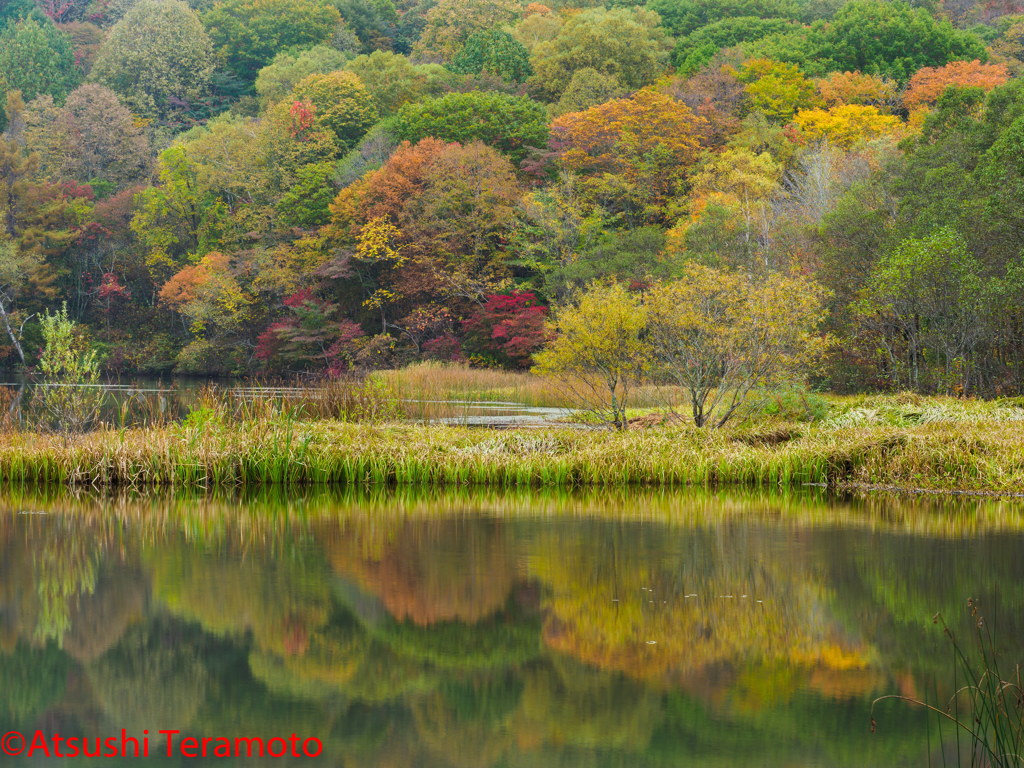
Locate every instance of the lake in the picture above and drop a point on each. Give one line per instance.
(485, 630)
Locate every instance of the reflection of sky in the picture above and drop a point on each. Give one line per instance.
(706, 628)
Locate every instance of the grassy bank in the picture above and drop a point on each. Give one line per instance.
(942, 455)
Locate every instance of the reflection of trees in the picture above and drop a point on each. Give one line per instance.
(428, 571)
(280, 601)
(154, 678)
(331, 659)
(566, 703)
(620, 602)
(31, 680)
(463, 720)
(892, 585)
(100, 618)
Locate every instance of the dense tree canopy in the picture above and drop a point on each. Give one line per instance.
(325, 186)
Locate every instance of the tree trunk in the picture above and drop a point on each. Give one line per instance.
(10, 332)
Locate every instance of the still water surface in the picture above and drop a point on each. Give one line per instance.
(499, 630)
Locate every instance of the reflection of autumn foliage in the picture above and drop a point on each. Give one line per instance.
(154, 675)
(462, 722)
(98, 620)
(275, 600)
(331, 659)
(428, 572)
(567, 703)
(629, 610)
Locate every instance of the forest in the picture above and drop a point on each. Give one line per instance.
(291, 187)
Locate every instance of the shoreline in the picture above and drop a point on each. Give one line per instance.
(987, 459)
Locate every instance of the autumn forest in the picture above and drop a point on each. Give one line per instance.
(290, 187)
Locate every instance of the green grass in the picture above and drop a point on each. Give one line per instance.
(285, 451)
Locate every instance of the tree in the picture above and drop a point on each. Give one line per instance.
(586, 89)
(626, 44)
(511, 124)
(776, 89)
(247, 34)
(635, 152)
(928, 83)
(450, 23)
(156, 58)
(508, 327)
(393, 80)
(842, 88)
(69, 395)
(277, 80)
(845, 126)
(731, 200)
(101, 139)
(598, 353)
(924, 300)
(375, 22)
(342, 105)
(36, 58)
(17, 268)
(686, 17)
(892, 39)
(722, 335)
(695, 50)
(495, 52)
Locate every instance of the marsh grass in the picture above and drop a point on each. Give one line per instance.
(987, 705)
(284, 448)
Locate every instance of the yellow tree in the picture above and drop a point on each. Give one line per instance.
(598, 353)
(635, 151)
(846, 125)
(742, 184)
(723, 335)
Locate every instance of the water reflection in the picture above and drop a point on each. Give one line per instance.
(459, 630)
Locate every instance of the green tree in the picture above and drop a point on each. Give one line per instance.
(587, 88)
(276, 80)
(69, 396)
(511, 124)
(925, 301)
(495, 52)
(694, 50)
(393, 80)
(342, 105)
(777, 89)
(623, 43)
(36, 58)
(247, 34)
(374, 22)
(450, 23)
(598, 353)
(157, 54)
(892, 39)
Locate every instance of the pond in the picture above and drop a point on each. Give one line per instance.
(140, 401)
(497, 630)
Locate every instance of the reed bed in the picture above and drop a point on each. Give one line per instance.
(284, 450)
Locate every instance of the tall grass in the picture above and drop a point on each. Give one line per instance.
(987, 705)
(285, 449)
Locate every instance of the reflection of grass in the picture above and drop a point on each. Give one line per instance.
(987, 708)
